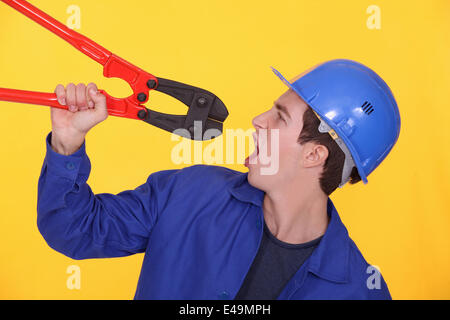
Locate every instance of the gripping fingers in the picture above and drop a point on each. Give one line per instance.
(90, 102)
(71, 97)
(60, 94)
(81, 97)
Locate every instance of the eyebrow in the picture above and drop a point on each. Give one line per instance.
(282, 108)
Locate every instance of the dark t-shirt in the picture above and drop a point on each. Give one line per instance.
(274, 265)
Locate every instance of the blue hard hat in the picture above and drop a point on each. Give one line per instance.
(355, 104)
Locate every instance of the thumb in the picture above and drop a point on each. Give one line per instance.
(99, 100)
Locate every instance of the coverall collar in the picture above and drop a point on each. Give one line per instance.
(329, 260)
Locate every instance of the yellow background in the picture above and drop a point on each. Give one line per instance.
(400, 220)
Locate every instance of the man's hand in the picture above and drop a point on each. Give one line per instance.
(86, 108)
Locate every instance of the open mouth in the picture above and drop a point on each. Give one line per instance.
(252, 159)
(255, 140)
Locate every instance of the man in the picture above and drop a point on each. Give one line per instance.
(209, 232)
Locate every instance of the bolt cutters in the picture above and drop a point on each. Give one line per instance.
(206, 111)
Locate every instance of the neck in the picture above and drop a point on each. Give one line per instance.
(296, 214)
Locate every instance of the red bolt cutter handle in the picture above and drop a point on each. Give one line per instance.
(115, 106)
(40, 98)
(204, 107)
(82, 43)
(113, 66)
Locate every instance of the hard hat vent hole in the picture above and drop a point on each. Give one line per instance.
(367, 107)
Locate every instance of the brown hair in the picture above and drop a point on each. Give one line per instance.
(332, 169)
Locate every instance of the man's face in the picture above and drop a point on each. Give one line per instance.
(276, 138)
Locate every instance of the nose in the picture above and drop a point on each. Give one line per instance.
(260, 121)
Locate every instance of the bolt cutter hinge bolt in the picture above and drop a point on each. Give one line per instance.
(151, 84)
(142, 114)
(142, 97)
(201, 102)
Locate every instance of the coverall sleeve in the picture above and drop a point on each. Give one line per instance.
(82, 225)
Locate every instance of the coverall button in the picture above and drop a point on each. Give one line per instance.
(223, 295)
(70, 165)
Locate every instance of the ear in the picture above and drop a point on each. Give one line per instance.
(314, 155)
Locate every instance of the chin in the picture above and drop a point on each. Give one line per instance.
(257, 180)
(251, 177)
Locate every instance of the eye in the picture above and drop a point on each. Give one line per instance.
(280, 117)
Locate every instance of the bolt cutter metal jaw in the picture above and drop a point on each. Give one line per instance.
(206, 111)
